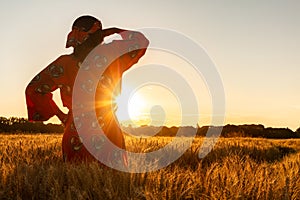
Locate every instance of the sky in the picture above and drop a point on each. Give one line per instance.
(254, 45)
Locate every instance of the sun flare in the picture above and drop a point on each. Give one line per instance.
(150, 105)
(132, 106)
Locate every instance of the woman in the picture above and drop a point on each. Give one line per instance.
(86, 34)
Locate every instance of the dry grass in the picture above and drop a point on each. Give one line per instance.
(31, 167)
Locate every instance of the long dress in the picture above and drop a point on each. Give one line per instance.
(61, 74)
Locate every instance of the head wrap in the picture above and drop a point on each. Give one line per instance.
(82, 28)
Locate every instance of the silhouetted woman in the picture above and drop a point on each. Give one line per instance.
(86, 34)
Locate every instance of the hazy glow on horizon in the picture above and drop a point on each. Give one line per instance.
(255, 45)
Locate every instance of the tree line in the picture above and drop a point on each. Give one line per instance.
(22, 125)
(257, 131)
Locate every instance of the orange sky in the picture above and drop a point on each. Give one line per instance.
(254, 44)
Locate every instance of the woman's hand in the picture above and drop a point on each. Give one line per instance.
(110, 31)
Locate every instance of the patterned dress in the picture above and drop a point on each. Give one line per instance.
(119, 56)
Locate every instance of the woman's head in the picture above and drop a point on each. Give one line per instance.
(85, 22)
(85, 35)
(82, 28)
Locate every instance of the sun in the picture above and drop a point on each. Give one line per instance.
(151, 105)
(132, 107)
(136, 106)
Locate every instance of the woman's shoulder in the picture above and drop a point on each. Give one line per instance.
(66, 59)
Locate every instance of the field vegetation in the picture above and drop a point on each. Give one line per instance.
(31, 167)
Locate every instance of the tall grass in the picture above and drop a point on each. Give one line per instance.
(31, 167)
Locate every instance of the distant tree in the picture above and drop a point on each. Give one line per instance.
(232, 130)
(279, 133)
(17, 125)
(297, 132)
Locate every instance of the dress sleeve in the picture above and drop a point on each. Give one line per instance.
(40, 105)
(132, 47)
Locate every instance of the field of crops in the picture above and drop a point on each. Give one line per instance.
(31, 167)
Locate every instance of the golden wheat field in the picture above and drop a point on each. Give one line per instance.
(31, 167)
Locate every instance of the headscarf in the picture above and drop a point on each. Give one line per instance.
(82, 28)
